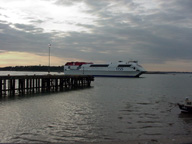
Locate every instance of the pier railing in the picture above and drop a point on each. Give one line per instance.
(28, 84)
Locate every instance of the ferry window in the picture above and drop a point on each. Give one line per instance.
(123, 65)
(99, 65)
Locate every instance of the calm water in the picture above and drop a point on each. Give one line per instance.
(113, 109)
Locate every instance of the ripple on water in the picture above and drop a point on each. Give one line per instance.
(114, 109)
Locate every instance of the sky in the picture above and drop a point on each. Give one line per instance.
(157, 33)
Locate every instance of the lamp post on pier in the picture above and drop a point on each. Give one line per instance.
(49, 57)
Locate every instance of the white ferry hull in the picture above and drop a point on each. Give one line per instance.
(105, 73)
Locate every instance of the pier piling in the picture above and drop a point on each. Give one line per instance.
(29, 84)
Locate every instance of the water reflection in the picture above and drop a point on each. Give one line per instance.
(112, 110)
(42, 94)
(186, 117)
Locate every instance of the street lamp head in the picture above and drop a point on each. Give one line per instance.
(49, 45)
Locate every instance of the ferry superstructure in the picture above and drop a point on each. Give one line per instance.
(119, 69)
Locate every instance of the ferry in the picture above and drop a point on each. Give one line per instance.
(118, 69)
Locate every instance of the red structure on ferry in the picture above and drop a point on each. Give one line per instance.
(77, 63)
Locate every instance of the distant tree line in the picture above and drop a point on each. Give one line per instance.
(33, 68)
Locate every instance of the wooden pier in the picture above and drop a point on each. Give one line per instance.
(30, 84)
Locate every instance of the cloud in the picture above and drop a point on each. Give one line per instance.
(153, 32)
(46, 15)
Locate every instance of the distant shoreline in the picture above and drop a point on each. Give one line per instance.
(33, 68)
(40, 68)
(149, 72)
(166, 72)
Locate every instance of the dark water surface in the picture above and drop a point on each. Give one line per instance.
(113, 109)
